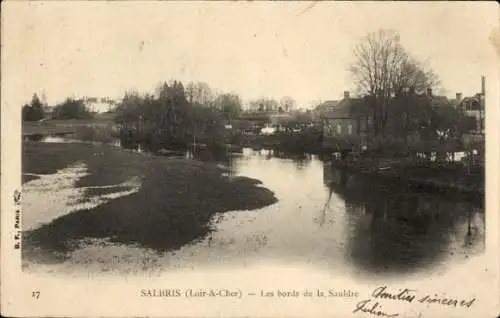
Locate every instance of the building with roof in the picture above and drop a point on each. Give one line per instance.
(473, 107)
(348, 123)
(99, 104)
(345, 122)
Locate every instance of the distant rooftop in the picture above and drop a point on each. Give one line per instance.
(345, 108)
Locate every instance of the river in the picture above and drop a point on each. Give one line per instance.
(330, 219)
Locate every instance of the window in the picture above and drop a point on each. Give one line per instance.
(474, 105)
(349, 129)
(328, 128)
(339, 129)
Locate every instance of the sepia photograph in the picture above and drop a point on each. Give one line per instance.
(250, 159)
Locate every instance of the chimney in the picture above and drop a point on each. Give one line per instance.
(346, 94)
(459, 97)
(483, 85)
(429, 91)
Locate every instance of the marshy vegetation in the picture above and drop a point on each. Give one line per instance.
(173, 206)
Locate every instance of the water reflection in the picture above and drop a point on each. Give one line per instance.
(224, 160)
(56, 138)
(341, 220)
(394, 229)
(301, 161)
(327, 216)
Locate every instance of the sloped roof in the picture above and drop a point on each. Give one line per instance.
(261, 117)
(346, 108)
(328, 104)
(469, 100)
(323, 107)
(442, 99)
(281, 118)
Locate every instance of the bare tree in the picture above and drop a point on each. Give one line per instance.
(229, 105)
(269, 105)
(383, 69)
(199, 92)
(264, 104)
(287, 104)
(254, 105)
(411, 74)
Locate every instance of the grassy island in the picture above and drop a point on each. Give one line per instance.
(174, 205)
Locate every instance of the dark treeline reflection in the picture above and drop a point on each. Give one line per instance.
(223, 159)
(328, 214)
(209, 156)
(229, 159)
(300, 160)
(380, 226)
(393, 228)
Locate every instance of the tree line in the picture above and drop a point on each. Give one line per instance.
(398, 91)
(393, 84)
(71, 108)
(176, 116)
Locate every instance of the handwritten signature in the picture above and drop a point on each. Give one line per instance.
(373, 305)
(375, 308)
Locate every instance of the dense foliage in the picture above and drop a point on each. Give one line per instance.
(33, 111)
(405, 114)
(383, 69)
(72, 109)
(169, 120)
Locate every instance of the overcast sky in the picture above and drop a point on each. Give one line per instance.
(250, 48)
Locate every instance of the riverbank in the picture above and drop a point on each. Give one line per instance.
(430, 176)
(304, 142)
(174, 204)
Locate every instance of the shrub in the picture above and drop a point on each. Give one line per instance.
(95, 133)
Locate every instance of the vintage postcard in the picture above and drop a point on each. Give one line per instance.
(249, 159)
